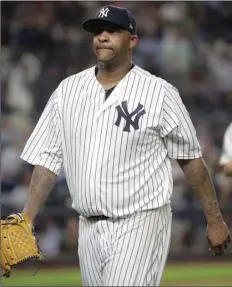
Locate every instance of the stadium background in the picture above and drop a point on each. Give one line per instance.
(188, 44)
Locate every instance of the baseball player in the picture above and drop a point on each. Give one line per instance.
(226, 156)
(115, 128)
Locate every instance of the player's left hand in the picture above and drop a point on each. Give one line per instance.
(218, 236)
(18, 242)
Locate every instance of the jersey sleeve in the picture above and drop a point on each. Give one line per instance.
(177, 129)
(44, 145)
(226, 154)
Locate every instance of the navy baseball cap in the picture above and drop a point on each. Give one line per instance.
(110, 14)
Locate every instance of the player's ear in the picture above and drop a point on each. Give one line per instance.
(133, 41)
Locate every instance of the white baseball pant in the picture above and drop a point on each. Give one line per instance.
(130, 251)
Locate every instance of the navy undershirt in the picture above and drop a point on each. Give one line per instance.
(108, 92)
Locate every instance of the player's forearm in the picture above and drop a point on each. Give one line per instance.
(198, 176)
(42, 181)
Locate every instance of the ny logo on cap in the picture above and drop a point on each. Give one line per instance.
(104, 12)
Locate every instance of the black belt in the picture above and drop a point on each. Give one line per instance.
(98, 217)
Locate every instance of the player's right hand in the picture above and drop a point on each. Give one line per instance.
(218, 236)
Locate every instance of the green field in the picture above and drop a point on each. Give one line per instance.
(197, 274)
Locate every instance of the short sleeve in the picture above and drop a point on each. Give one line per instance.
(177, 129)
(226, 154)
(44, 145)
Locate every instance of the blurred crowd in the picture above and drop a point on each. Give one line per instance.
(187, 43)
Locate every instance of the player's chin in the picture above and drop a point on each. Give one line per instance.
(104, 55)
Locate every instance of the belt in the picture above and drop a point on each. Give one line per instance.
(98, 217)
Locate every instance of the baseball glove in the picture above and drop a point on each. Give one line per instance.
(18, 242)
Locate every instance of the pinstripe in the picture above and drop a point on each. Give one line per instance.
(82, 162)
(185, 131)
(101, 172)
(77, 137)
(133, 262)
(142, 144)
(91, 162)
(139, 255)
(77, 153)
(128, 153)
(87, 273)
(81, 250)
(82, 197)
(94, 261)
(142, 197)
(76, 150)
(100, 157)
(166, 241)
(33, 143)
(162, 238)
(98, 265)
(89, 254)
(72, 120)
(168, 115)
(46, 139)
(159, 242)
(149, 153)
(154, 262)
(87, 160)
(110, 270)
(126, 255)
(74, 123)
(155, 241)
(91, 271)
(162, 181)
(108, 203)
(122, 144)
(56, 139)
(82, 156)
(182, 131)
(114, 156)
(49, 155)
(45, 125)
(156, 143)
(112, 279)
(112, 282)
(65, 104)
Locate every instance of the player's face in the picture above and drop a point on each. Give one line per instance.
(110, 43)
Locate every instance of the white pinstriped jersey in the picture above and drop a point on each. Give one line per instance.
(226, 155)
(116, 153)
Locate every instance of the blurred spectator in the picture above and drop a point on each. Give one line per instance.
(177, 57)
(23, 72)
(71, 235)
(18, 195)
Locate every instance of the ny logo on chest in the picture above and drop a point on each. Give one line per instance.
(124, 113)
